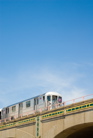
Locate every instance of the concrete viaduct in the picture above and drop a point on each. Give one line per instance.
(70, 121)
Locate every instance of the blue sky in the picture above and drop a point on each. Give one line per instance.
(45, 45)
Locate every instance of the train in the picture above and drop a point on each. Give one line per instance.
(35, 104)
(0, 114)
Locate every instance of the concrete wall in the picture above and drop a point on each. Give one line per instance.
(19, 132)
(58, 123)
(68, 125)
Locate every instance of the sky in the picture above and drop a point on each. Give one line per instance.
(45, 45)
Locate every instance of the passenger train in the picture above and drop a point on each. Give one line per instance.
(32, 105)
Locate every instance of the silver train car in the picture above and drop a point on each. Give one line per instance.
(32, 105)
(0, 114)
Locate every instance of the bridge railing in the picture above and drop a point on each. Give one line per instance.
(79, 99)
(53, 106)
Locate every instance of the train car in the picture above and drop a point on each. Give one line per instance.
(32, 105)
(0, 114)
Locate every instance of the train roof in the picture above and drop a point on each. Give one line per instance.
(47, 93)
(24, 100)
(53, 93)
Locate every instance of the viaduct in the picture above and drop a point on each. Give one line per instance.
(70, 121)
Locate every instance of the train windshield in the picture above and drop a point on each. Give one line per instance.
(48, 98)
(54, 98)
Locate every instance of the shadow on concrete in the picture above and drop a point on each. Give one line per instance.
(79, 131)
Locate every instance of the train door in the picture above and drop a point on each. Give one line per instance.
(49, 100)
(0, 114)
(36, 102)
(54, 101)
(3, 113)
(20, 111)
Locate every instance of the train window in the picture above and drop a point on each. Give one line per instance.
(28, 104)
(54, 98)
(37, 101)
(7, 110)
(13, 108)
(43, 98)
(3, 111)
(48, 98)
(20, 105)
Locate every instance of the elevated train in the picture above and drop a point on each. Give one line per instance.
(29, 106)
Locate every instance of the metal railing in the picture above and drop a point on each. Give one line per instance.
(53, 106)
(79, 99)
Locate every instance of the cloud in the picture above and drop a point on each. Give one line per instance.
(69, 80)
(29, 83)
